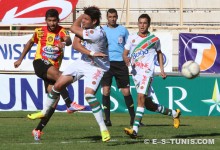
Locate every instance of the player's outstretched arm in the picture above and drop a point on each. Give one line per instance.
(26, 49)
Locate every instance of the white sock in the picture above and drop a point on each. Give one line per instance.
(100, 121)
(51, 101)
(174, 113)
(97, 111)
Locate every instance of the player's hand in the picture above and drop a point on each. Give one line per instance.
(163, 74)
(61, 45)
(17, 63)
(99, 54)
(127, 60)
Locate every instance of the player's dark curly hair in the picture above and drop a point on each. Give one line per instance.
(52, 13)
(94, 13)
(145, 16)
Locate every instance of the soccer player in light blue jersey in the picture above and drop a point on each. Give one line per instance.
(116, 36)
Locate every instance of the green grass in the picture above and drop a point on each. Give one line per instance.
(80, 131)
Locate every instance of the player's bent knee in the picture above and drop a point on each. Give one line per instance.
(89, 96)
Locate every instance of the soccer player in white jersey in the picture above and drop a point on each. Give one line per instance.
(91, 41)
(142, 47)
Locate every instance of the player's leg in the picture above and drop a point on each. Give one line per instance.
(91, 87)
(70, 75)
(53, 74)
(106, 104)
(37, 132)
(129, 103)
(106, 87)
(150, 105)
(138, 116)
(41, 68)
(142, 90)
(121, 74)
(45, 70)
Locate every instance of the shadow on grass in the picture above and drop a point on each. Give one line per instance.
(113, 142)
(92, 138)
(158, 125)
(126, 141)
(13, 117)
(197, 135)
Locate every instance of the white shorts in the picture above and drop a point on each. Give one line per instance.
(92, 74)
(143, 84)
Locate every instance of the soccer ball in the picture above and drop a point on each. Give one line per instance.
(190, 69)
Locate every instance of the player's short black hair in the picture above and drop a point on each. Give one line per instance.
(94, 13)
(145, 16)
(112, 10)
(52, 13)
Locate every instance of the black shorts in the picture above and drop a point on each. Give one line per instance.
(119, 70)
(40, 67)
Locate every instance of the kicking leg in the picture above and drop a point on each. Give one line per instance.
(150, 105)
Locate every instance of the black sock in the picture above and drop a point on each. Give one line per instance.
(65, 95)
(43, 122)
(130, 105)
(106, 106)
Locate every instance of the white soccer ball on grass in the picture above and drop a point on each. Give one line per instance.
(190, 69)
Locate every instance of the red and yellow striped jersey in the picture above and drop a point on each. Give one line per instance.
(46, 42)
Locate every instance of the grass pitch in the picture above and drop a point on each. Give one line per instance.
(80, 131)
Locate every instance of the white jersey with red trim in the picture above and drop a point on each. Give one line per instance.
(95, 40)
(142, 52)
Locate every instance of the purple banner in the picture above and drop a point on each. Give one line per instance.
(201, 48)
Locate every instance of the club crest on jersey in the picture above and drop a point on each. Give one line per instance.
(50, 39)
(91, 31)
(133, 41)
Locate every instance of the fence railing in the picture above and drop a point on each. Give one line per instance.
(30, 28)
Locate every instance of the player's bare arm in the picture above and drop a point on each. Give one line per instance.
(76, 27)
(160, 60)
(125, 57)
(26, 49)
(66, 41)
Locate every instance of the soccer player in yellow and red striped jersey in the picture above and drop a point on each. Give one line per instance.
(48, 44)
(50, 40)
